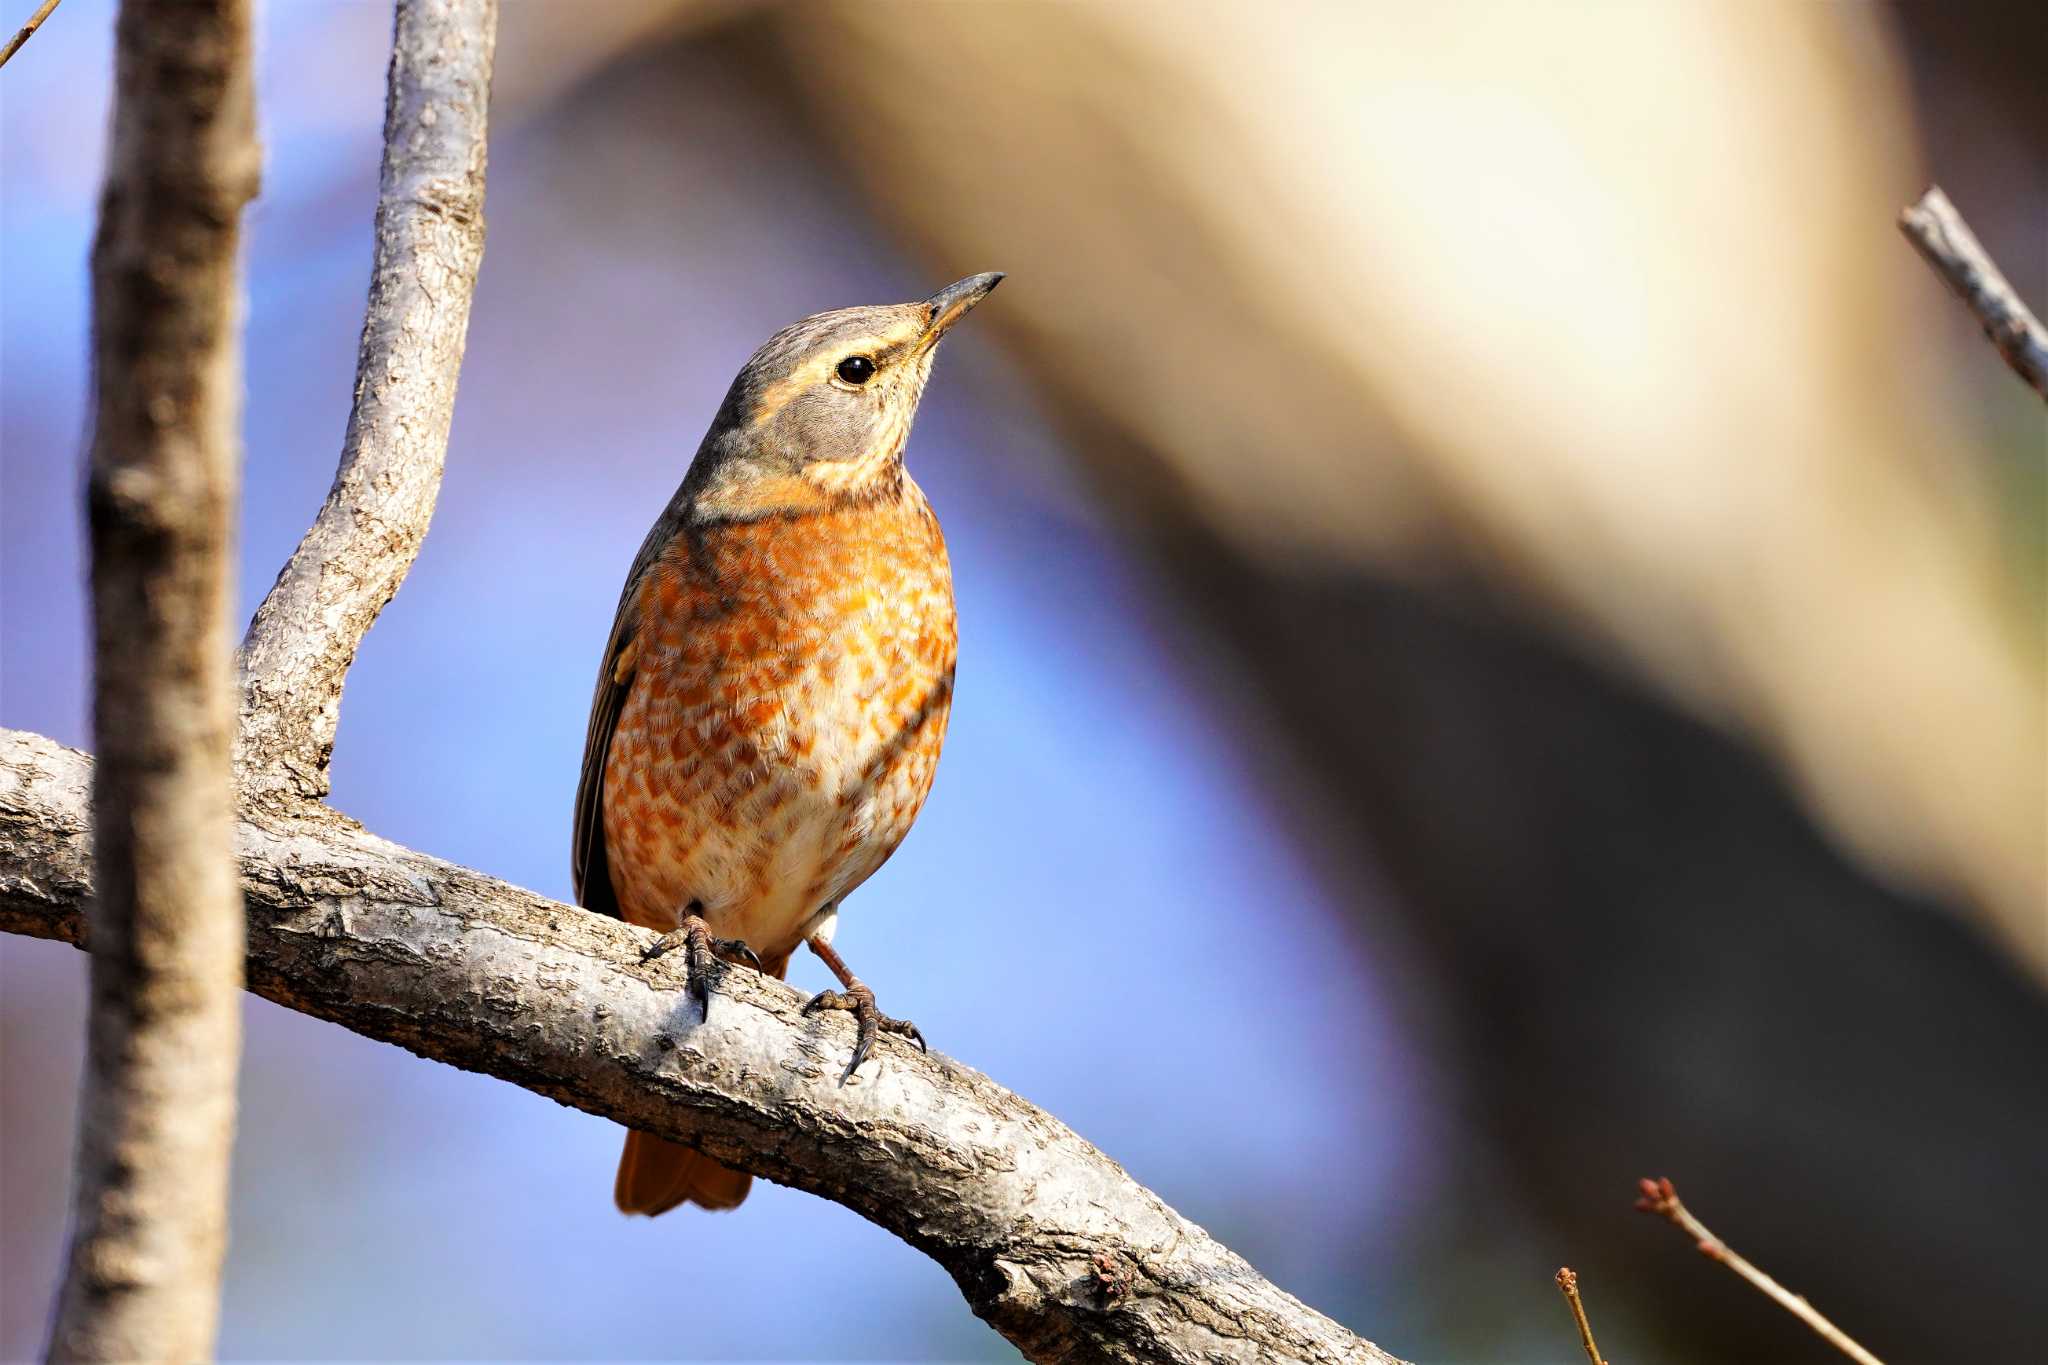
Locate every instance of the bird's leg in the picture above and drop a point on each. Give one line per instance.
(703, 952)
(860, 1000)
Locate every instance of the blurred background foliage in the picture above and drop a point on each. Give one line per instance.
(1502, 645)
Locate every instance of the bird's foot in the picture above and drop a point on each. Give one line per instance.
(703, 952)
(869, 1022)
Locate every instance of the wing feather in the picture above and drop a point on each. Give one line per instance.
(589, 862)
(590, 868)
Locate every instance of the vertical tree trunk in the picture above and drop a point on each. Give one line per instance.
(166, 930)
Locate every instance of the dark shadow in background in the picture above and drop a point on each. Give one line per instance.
(1644, 957)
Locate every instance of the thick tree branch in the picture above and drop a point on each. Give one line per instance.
(156, 1116)
(430, 241)
(1938, 232)
(398, 946)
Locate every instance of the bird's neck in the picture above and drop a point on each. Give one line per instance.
(741, 493)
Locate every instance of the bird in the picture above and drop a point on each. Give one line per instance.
(774, 693)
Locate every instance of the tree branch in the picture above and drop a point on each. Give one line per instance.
(1049, 1240)
(157, 1113)
(1938, 232)
(430, 242)
(27, 30)
(454, 966)
(1661, 1198)
(1568, 1285)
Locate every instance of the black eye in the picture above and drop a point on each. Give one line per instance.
(856, 369)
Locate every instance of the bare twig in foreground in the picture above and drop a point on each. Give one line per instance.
(1661, 1198)
(156, 1120)
(27, 30)
(1024, 1214)
(1568, 1284)
(1939, 233)
(430, 243)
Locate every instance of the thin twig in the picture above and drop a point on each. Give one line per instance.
(27, 30)
(429, 246)
(1661, 1198)
(1568, 1282)
(1050, 1241)
(1939, 233)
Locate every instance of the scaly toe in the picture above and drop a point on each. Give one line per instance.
(869, 1022)
(905, 1029)
(827, 1000)
(703, 966)
(674, 938)
(867, 1019)
(736, 949)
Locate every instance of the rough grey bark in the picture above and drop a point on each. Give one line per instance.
(1050, 1241)
(1937, 231)
(430, 242)
(156, 1120)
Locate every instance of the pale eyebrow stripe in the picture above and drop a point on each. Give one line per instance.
(876, 346)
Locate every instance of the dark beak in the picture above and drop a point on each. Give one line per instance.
(950, 304)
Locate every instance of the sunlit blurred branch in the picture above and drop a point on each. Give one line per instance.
(27, 30)
(1661, 1198)
(1938, 232)
(1050, 1241)
(1578, 399)
(430, 242)
(157, 1108)
(1568, 1285)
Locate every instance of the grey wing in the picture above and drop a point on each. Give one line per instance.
(589, 866)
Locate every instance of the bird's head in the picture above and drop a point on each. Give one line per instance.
(822, 410)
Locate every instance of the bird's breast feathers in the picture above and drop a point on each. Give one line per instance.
(792, 680)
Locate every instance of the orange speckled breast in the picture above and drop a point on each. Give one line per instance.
(792, 681)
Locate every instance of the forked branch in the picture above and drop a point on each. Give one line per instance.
(430, 243)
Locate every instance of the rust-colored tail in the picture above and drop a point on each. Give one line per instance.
(656, 1175)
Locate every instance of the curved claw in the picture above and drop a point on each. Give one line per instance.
(861, 1043)
(827, 1000)
(701, 966)
(869, 1022)
(704, 953)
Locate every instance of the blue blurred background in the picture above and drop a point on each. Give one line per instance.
(1304, 997)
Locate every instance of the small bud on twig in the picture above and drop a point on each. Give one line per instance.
(1661, 1198)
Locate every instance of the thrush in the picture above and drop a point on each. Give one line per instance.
(772, 699)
